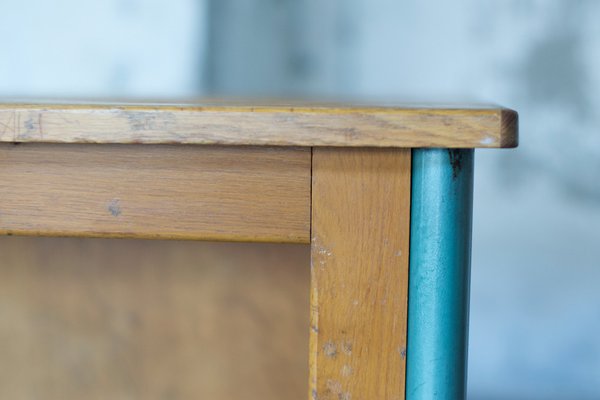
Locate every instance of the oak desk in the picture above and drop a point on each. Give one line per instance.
(374, 190)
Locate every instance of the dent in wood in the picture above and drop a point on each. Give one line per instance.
(149, 120)
(8, 125)
(330, 349)
(114, 207)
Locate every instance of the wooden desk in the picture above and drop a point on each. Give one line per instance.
(371, 189)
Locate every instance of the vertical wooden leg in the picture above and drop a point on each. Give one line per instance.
(440, 256)
(360, 243)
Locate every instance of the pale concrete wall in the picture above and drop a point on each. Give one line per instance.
(280, 48)
(108, 48)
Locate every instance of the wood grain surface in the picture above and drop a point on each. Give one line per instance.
(360, 245)
(152, 320)
(156, 191)
(274, 125)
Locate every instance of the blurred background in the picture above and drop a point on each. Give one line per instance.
(535, 305)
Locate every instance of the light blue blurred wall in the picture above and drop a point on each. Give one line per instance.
(535, 323)
(108, 48)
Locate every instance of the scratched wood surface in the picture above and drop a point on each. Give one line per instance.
(152, 320)
(156, 191)
(244, 124)
(360, 243)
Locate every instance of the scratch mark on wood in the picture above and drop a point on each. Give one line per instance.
(324, 251)
(17, 131)
(141, 121)
(40, 125)
(7, 125)
(488, 141)
(114, 207)
(402, 352)
(150, 121)
(347, 347)
(347, 370)
(330, 349)
(29, 124)
(335, 388)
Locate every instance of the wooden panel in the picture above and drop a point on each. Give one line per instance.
(152, 320)
(283, 125)
(360, 242)
(188, 192)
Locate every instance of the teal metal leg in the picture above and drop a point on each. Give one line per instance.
(439, 279)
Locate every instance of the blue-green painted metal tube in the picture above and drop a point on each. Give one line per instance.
(439, 280)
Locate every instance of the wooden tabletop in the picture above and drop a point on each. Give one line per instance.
(479, 126)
